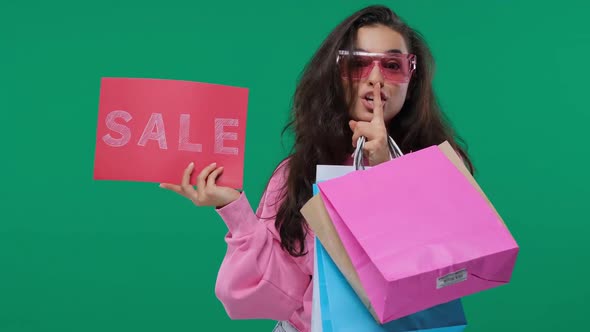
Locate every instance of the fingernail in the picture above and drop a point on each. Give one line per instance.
(191, 164)
(214, 164)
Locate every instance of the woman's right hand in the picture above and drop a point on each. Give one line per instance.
(207, 192)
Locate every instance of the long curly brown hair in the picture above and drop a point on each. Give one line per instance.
(319, 118)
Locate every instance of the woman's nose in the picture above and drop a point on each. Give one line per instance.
(375, 76)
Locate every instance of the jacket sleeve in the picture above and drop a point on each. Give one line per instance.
(257, 279)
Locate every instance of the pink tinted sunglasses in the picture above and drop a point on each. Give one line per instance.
(395, 67)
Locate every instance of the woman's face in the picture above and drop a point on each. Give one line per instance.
(378, 39)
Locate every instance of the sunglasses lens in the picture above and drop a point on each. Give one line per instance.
(394, 68)
(355, 67)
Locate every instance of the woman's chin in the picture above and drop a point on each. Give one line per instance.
(362, 115)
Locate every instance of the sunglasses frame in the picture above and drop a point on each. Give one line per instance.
(377, 56)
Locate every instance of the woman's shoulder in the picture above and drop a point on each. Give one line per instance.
(281, 172)
(275, 185)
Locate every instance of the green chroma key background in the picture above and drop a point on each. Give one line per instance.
(80, 255)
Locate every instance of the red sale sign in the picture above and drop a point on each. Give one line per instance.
(149, 130)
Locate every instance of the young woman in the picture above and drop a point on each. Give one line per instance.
(372, 77)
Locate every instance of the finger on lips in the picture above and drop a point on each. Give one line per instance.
(377, 92)
(378, 109)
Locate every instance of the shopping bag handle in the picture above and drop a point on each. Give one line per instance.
(358, 152)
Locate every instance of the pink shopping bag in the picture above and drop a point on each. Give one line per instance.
(419, 232)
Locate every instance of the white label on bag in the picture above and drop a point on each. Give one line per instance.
(451, 279)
